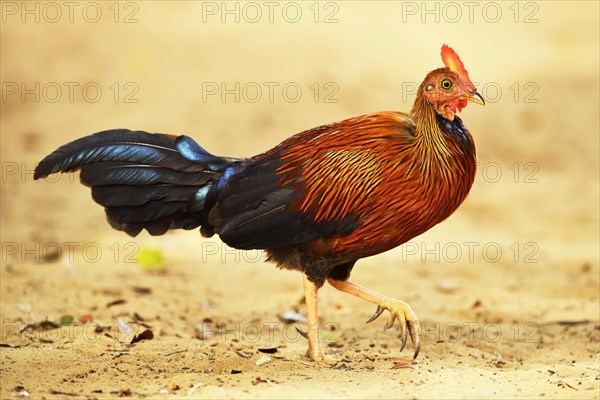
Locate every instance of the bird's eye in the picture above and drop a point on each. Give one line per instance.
(446, 83)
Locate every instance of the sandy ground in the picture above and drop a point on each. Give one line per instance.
(506, 289)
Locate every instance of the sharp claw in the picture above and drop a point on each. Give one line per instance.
(415, 337)
(417, 348)
(302, 333)
(378, 312)
(407, 326)
(404, 336)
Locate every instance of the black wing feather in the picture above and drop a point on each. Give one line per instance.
(253, 210)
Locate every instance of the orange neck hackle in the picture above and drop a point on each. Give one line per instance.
(439, 150)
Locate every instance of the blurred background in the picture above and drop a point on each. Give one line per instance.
(240, 77)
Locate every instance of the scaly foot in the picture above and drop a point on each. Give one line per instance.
(399, 310)
(402, 312)
(319, 356)
(315, 349)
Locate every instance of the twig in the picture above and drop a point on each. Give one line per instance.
(64, 393)
(174, 352)
(569, 323)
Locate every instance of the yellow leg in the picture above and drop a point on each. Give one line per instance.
(399, 310)
(311, 296)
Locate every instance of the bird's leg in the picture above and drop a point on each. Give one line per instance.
(399, 310)
(311, 297)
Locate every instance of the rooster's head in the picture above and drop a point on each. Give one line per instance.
(449, 89)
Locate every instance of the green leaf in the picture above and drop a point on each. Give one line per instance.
(66, 320)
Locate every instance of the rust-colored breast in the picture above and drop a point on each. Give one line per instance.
(373, 168)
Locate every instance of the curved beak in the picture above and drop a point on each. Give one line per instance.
(476, 98)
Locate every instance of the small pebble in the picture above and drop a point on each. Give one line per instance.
(263, 360)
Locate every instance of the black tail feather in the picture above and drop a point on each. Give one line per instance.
(116, 145)
(127, 173)
(137, 195)
(143, 180)
(150, 211)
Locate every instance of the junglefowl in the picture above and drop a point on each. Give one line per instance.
(317, 202)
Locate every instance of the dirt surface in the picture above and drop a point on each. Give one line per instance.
(506, 289)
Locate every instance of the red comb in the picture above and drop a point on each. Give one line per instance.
(452, 61)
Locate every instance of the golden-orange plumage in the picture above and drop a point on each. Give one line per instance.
(397, 179)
